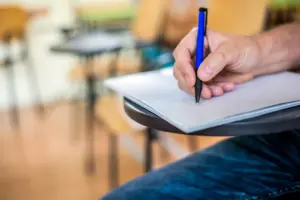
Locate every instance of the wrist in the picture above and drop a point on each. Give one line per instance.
(278, 49)
(263, 48)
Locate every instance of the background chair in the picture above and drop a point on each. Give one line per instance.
(281, 12)
(13, 25)
(148, 12)
(238, 17)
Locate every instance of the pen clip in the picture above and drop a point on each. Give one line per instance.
(205, 28)
(205, 11)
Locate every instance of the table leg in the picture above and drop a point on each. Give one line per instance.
(150, 137)
(91, 100)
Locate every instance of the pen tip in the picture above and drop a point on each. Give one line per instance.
(197, 100)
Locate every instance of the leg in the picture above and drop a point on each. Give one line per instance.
(192, 143)
(8, 64)
(113, 160)
(14, 113)
(90, 160)
(248, 167)
(32, 75)
(75, 115)
(150, 137)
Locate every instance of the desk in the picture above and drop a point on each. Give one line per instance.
(87, 46)
(276, 122)
(270, 123)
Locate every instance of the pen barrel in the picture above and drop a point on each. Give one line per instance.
(202, 23)
(198, 89)
(198, 85)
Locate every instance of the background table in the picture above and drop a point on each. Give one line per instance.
(88, 46)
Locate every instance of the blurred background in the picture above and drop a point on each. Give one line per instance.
(62, 134)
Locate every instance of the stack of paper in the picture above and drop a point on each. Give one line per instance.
(158, 92)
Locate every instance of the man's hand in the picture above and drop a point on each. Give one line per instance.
(230, 60)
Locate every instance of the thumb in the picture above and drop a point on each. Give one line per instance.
(216, 61)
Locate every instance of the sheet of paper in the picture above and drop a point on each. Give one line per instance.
(158, 92)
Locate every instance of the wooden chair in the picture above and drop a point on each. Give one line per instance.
(13, 25)
(111, 115)
(146, 26)
(282, 12)
(245, 17)
(113, 120)
(111, 64)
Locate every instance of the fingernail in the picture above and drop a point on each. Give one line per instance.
(207, 72)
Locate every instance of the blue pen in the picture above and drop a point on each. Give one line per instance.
(202, 24)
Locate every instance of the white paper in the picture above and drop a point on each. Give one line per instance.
(158, 92)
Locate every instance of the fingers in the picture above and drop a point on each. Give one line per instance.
(234, 78)
(217, 61)
(183, 67)
(216, 90)
(182, 83)
(227, 87)
(206, 92)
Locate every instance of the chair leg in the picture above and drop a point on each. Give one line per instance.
(113, 161)
(33, 78)
(75, 117)
(192, 144)
(150, 137)
(14, 112)
(91, 99)
(8, 64)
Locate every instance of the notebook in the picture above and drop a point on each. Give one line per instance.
(158, 92)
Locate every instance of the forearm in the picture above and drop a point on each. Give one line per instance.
(279, 49)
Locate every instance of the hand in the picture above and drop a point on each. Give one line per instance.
(230, 60)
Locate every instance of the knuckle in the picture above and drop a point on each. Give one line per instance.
(175, 52)
(194, 30)
(179, 65)
(179, 85)
(175, 73)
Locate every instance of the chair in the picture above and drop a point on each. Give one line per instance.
(149, 12)
(237, 17)
(113, 119)
(281, 12)
(13, 24)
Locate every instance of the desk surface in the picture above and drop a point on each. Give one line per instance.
(276, 122)
(97, 42)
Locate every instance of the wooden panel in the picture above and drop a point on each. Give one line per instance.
(149, 20)
(182, 18)
(237, 17)
(13, 19)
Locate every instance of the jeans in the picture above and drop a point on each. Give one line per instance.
(241, 168)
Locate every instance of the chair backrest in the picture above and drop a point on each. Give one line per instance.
(182, 17)
(13, 21)
(149, 20)
(244, 17)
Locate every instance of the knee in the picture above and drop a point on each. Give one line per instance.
(111, 196)
(119, 194)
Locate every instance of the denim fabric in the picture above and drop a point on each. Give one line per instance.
(245, 168)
